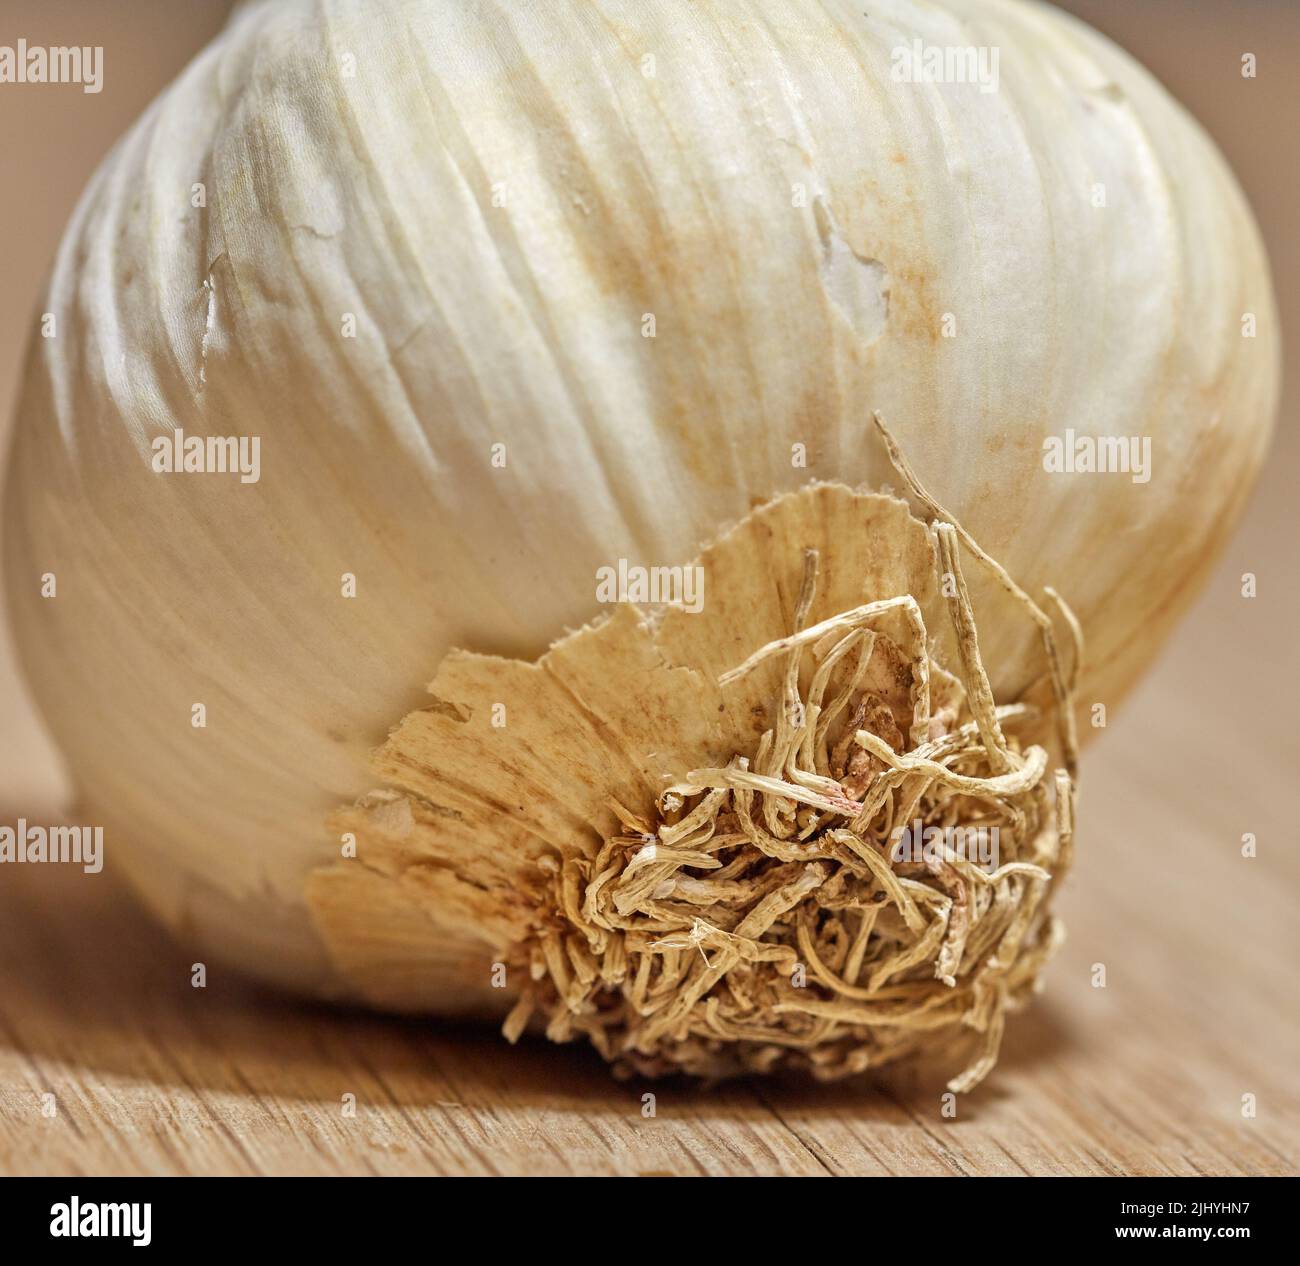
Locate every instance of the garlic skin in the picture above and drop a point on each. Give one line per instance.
(499, 197)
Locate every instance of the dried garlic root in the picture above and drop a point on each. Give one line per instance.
(727, 870)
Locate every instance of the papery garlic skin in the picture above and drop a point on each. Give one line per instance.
(500, 197)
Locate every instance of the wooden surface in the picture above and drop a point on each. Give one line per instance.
(1145, 1075)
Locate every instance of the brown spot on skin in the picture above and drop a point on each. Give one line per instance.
(914, 311)
(817, 409)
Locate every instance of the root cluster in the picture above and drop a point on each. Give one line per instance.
(815, 903)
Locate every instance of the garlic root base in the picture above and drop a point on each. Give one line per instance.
(704, 857)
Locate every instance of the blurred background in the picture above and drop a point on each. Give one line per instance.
(1202, 1002)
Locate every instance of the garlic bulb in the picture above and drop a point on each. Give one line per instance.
(509, 295)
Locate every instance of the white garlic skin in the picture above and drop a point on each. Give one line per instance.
(499, 194)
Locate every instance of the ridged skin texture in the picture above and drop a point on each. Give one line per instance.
(499, 194)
